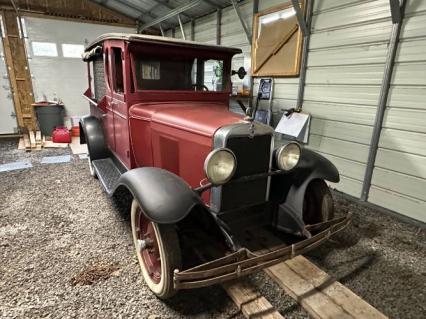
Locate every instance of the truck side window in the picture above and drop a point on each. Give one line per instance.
(117, 71)
(99, 84)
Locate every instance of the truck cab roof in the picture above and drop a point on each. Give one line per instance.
(150, 39)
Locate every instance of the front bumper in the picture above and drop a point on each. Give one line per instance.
(244, 262)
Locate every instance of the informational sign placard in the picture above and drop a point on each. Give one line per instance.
(295, 125)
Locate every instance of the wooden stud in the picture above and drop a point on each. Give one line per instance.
(38, 140)
(32, 139)
(27, 143)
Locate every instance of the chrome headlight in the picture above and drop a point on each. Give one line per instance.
(220, 166)
(287, 156)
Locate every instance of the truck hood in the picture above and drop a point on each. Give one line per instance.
(197, 117)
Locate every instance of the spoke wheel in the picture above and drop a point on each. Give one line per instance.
(318, 204)
(158, 252)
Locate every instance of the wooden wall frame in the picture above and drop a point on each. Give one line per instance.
(284, 56)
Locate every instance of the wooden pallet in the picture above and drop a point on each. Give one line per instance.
(35, 141)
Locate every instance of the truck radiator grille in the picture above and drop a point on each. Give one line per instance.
(253, 157)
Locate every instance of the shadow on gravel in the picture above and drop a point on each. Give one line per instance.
(199, 301)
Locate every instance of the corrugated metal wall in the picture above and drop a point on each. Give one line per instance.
(347, 55)
(399, 178)
(346, 62)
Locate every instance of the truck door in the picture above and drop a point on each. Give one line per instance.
(119, 105)
(108, 116)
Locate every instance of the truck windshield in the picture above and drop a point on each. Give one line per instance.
(178, 73)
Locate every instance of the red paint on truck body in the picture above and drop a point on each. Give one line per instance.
(167, 129)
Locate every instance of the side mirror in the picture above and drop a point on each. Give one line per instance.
(241, 72)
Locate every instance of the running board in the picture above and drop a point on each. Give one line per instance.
(108, 173)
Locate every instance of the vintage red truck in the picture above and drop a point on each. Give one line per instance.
(160, 131)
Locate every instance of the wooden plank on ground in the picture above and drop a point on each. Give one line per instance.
(50, 144)
(32, 139)
(38, 140)
(320, 295)
(27, 143)
(21, 145)
(251, 303)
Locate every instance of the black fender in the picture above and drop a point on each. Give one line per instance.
(164, 197)
(93, 136)
(289, 190)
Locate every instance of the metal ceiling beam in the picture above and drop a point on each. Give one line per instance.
(104, 3)
(212, 4)
(255, 7)
(165, 4)
(240, 16)
(300, 17)
(218, 26)
(181, 27)
(132, 6)
(171, 14)
(192, 30)
(395, 11)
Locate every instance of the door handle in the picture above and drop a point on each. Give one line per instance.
(103, 115)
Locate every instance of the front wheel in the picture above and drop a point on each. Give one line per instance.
(158, 252)
(318, 203)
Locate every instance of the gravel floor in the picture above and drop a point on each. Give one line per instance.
(58, 230)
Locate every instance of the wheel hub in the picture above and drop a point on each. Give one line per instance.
(148, 246)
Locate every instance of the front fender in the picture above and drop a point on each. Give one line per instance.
(164, 197)
(92, 133)
(289, 190)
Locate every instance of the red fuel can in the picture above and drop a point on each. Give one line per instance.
(61, 135)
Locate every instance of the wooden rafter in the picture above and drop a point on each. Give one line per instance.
(77, 10)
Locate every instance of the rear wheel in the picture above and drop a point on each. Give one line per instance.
(158, 252)
(318, 204)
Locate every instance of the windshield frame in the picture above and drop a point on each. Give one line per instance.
(157, 52)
